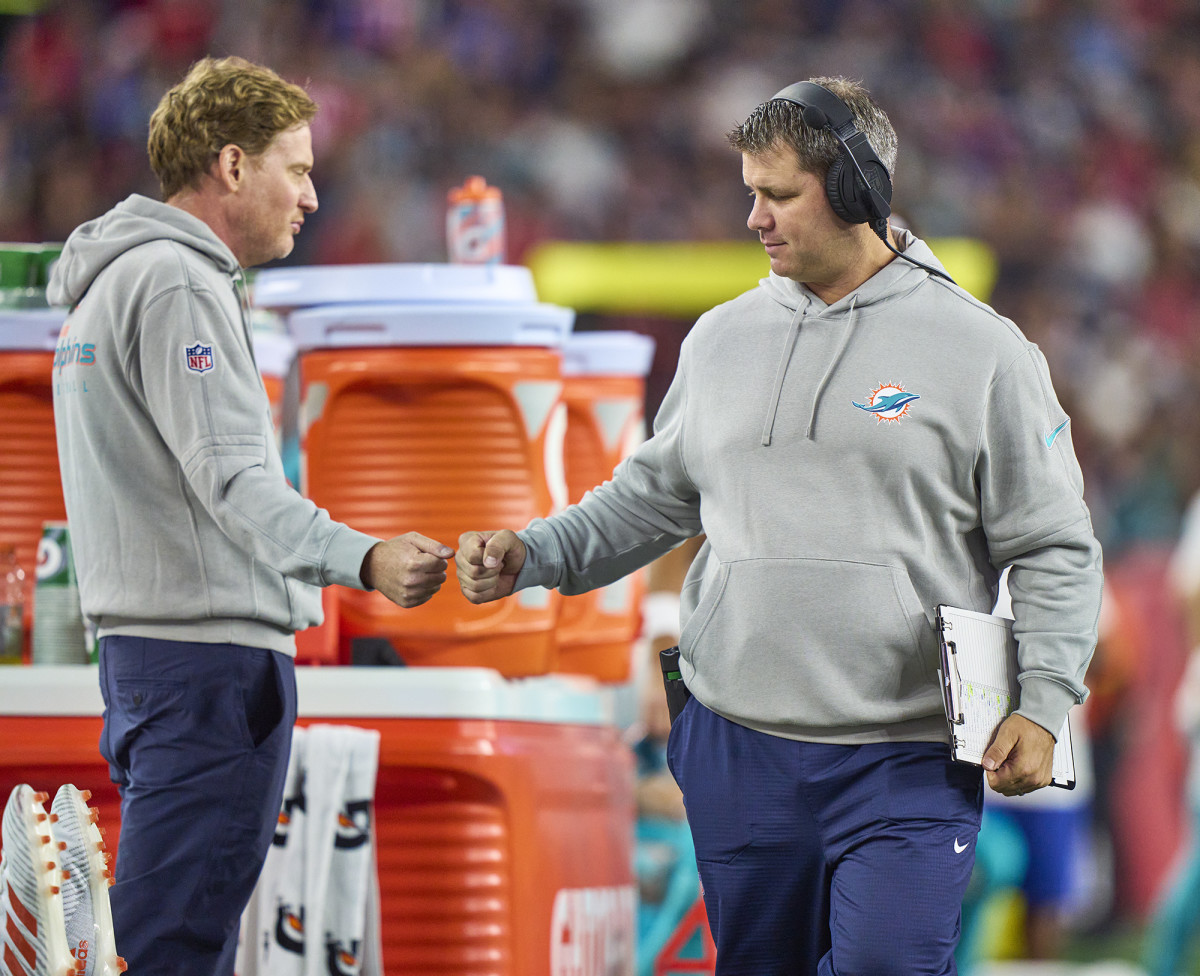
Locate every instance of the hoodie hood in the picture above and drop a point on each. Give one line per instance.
(133, 222)
(894, 279)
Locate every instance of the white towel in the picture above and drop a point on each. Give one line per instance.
(272, 941)
(315, 910)
(341, 763)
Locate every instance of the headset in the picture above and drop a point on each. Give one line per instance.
(858, 185)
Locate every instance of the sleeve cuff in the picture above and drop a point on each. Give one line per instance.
(542, 564)
(1046, 702)
(344, 557)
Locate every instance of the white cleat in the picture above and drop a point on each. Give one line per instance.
(87, 916)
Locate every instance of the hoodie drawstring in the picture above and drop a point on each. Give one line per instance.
(242, 291)
(837, 357)
(793, 334)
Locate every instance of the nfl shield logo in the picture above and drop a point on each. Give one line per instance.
(199, 358)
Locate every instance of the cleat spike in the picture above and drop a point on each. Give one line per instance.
(86, 794)
(41, 797)
(54, 889)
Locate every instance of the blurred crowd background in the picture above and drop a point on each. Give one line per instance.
(1065, 134)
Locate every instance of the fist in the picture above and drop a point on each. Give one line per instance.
(488, 564)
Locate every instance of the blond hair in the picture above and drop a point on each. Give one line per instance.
(221, 102)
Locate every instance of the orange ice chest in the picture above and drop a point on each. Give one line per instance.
(435, 406)
(604, 390)
(30, 486)
(504, 809)
(275, 354)
(321, 644)
(504, 819)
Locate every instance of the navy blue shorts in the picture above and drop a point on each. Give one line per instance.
(826, 859)
(197, 738)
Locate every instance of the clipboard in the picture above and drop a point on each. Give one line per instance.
(980, 688)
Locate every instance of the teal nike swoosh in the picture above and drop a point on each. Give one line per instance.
(1054, 433)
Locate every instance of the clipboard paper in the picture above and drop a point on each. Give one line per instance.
(980, 688)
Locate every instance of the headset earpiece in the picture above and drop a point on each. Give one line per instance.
(835, 189)
(843, 186)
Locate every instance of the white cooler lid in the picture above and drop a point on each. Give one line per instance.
(274, 353)
(351, 692)
(287, 288)
(607, 354)
(431, 324)
(449, 693)
(31, 329)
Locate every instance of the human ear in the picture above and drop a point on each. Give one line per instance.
(231, 165)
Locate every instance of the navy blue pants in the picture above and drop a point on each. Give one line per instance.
(197, 738)
(826, 859)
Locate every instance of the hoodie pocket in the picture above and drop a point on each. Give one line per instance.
(821, 643)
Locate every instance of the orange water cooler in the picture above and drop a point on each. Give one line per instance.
(30, 488)
(604, 389)
(503, 809)
(431, 401)
(275, 354)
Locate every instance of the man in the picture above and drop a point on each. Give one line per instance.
(859, 440)
(196, 560)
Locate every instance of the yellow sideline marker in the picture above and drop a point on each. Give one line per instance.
(682, 280)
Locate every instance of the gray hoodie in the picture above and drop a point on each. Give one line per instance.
(182, 523)
(852, 466)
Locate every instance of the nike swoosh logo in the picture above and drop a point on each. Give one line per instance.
(959, 848)
(1054, 433)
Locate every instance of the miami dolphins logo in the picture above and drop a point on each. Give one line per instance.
(888, 401)
(340, 959)
(353, 824)
(289, 928)
(287, 814)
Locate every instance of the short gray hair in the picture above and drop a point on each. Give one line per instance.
(779, 121)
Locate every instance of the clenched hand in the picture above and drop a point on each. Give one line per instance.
(488, 563)
(1020, 758)
(407, 569)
